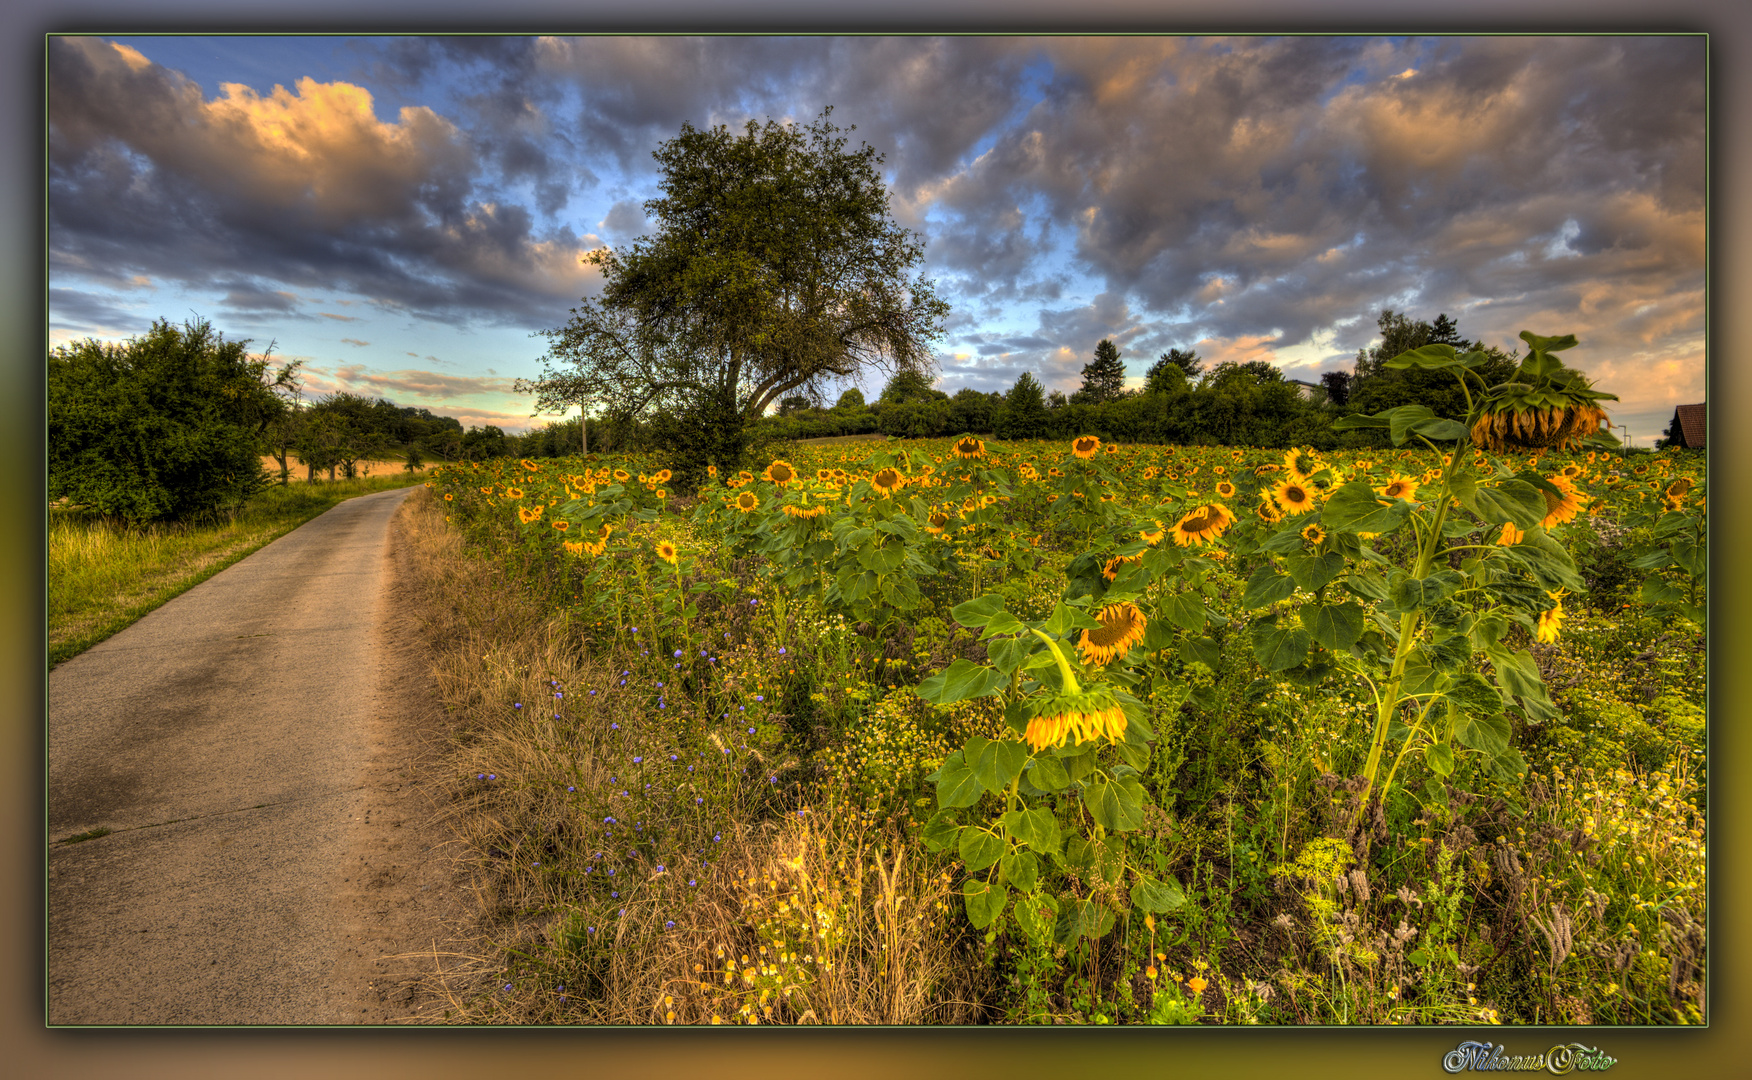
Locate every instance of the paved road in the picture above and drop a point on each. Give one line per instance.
(224, 740)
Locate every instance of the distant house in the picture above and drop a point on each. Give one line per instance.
(1688, 423)
(1306, 389)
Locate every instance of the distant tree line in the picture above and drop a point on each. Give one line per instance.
(1180, 401)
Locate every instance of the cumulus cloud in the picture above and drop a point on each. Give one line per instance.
(406, 386)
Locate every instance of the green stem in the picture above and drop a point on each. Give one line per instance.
(1063, 665)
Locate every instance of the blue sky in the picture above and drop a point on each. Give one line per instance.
(404, 213)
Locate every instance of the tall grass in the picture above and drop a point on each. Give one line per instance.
(634, 862)
(103, 575)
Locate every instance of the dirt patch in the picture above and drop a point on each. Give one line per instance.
(411, 895)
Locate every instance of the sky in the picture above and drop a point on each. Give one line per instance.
(406, 214)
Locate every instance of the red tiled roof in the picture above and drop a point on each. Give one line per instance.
(1690, 426)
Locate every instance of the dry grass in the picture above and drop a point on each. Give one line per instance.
(621, 858)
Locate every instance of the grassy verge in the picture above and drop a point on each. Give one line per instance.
(637, 858)
(103, 578)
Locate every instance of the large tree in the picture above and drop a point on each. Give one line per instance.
(775, 269)
(1104, 376)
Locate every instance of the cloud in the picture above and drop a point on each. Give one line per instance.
(338, 318)
(355, 342)
(246, 296)
(98, 315)
(405, 386)
(148, 175)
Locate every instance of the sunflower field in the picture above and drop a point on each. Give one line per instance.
(1086, 733)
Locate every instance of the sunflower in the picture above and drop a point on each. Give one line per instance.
(1268, 512)
(779, 472)
(1572, 470)
(1294, 497)
(937, 522)
(1559, 510)
(621, 476)
(1154, 536)
(1301, 464)
(667, 552)
(992, 554)
(573, 547)
(1313, 533)
(1400, 487)
(1087, 714)
(1219, 470)
(887, 480)
(1111, 570)
(712, 471)
(560, 524)
(1122, 626)
(514, 493)
(1267, 470)
(1547, 629)
(1084, 446)
(968, 447)
(662, 476)
(1225, 489)
(1203, 524)
(746, 501)
(1511, 535)
(528, 515)
(530, 465)
(1678, 488)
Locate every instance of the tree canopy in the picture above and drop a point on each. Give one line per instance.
(165, 426)
(775, 269)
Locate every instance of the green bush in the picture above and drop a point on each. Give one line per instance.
(163, 427)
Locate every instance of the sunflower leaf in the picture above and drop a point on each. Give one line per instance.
(1148, 894)
(1406, 417)
(1201, 650)
(1266, 587)
(1336, 626)
(1514, 501)
(978, 848)
(1310, 571)
(956, 785)
(984, 903)
(960, 681)
(1427, 357)
(1186, 610)
(1279, 648)
(979, 611)
(1356, 508)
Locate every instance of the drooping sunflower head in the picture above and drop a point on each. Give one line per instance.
(747, 501)
(573, 547)
(1084, 446)
(887, 480)
(1400, 487)
(1294, 497)
(530, 465)
(1313, 533)
(1202, 525)
(968, 447)
(667, 552)
(1122, 626)
(779, 472)
(1090, 714)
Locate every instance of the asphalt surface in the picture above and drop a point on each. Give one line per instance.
(226, 741)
